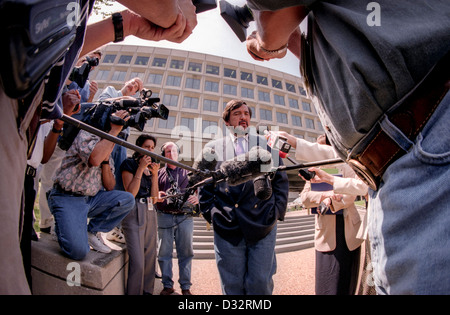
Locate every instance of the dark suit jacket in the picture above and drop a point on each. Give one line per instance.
(235, 211)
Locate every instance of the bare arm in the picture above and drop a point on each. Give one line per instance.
(274, 30)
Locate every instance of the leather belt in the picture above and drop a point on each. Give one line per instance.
(142, 200)
(30, 171)
(410, 118)
(59, 188)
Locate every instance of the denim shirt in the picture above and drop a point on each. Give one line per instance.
(360, 71)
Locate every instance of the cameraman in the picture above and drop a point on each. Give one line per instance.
(174, 223)
(172, 20)
(84, 189)
(48, 169)
(119, 154)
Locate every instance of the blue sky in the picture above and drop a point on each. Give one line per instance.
(213, 36)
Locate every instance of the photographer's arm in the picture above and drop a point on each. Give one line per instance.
(102, 32)
(108, 179)
(104, 147)
(131, 182)
(162, 13)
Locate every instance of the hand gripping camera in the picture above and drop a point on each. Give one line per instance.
(80, 74)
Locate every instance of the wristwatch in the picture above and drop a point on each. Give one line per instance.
(117, 20)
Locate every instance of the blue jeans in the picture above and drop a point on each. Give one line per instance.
(181, 229)
(409, 223)
(105, 211)
(246, 269)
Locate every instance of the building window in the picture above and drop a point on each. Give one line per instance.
(173, 80)
(125, 59)
(136, 74)
(279, 99)
(211, 105)
(293, 103)
(277, 84)
(159, 62)
(209, 127)
(170, 100)
(211, 86)
(264, 96)
(119, 76)
(306, 107)
(109, 59)
(296, 121)
(195, 66)
(309, 123)
(302, 91)
(290, 87)
(229, 89)
(177, 64)
(261, 80)
(192, 83)
(188, 122)
(229, 73)
(246, 76)
(265, 114)
(102, 74)
(210, 69)
(141, 61)
(247, 93)
(167, 124)
(282, 118)
(155, 78)
(190, 102)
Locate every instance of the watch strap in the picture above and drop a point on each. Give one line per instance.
(117, 20)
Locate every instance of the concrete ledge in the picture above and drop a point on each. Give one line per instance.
(98, 274)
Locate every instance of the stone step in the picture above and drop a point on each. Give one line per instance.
(96, 274)
(296, 232)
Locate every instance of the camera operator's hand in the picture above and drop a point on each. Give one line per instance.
(93, 88)
(117, 128)
(193, 199)
(71, 100)
(161, 196)
(154, 168)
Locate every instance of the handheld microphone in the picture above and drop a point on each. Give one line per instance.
(207, 163)
(262, 187)
(246, 166)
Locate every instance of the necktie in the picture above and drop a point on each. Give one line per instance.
(240, 146)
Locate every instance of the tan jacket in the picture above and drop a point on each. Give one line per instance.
(325, 233)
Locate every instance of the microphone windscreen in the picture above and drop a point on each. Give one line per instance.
(262, 187)
(246, 166)
(206, 162)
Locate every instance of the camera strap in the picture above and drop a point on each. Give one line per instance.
(172, 181)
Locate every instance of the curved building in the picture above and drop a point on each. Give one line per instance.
(195, 88)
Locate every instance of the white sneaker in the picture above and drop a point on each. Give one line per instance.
(96, 242)
(116, 235)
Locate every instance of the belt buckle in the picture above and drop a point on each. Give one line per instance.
(364, 173)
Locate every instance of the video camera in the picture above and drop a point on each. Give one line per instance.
(80, 74)
(99, 115)
(140, 110)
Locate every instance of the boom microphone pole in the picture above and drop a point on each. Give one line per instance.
(116, 140)
(309, 164)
